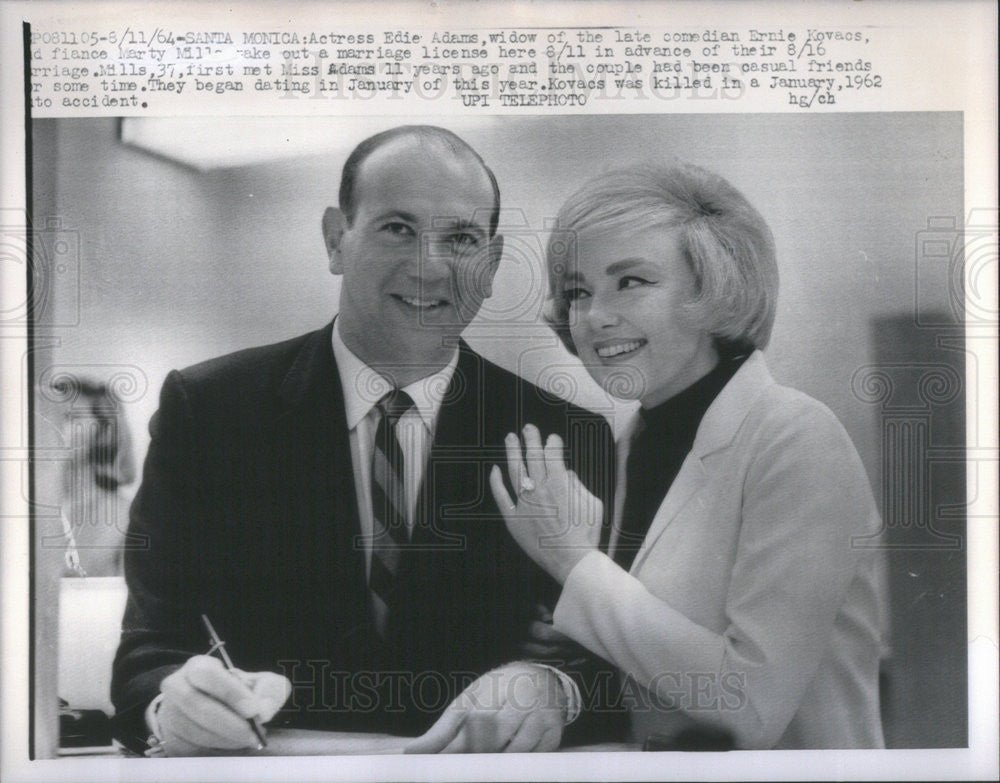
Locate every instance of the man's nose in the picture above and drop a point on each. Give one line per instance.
(437, 257)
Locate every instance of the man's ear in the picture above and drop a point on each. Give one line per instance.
(334, 225)
(496, 253)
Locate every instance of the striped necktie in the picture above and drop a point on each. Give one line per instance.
(389, 531)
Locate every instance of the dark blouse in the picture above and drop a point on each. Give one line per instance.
(660, 444)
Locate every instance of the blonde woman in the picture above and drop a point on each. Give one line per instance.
(730, 596)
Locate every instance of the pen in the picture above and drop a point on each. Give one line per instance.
(218, 644)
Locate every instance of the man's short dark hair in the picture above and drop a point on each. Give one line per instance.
(420, 132)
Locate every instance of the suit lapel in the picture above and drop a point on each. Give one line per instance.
(312, 426)
(716, 433)
(434, 568)
(456, 452)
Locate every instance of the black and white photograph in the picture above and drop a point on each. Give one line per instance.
(389, 438)
(247, 509)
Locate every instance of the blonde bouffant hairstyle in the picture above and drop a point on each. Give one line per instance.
(726, 242)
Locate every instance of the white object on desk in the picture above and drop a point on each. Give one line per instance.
(90, 618)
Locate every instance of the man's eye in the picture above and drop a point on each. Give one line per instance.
(398, 229)
(575, 294)
(465, 240)
(631, 281)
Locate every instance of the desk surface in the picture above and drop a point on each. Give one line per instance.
(305, 742)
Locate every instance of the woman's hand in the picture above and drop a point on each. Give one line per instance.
(555, 520)
(518, 708)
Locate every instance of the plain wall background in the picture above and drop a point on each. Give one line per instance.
(178, 265)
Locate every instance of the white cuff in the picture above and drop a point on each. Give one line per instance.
(152, 719)
(573, 699)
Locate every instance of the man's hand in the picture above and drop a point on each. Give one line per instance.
(518, 708)
(555, 520)
(205, 707)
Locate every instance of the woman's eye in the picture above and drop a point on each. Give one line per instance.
(575, 294)
(631, 281)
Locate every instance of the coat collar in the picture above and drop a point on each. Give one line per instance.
(313, 381)
(313, 374)
(718, 429)
(314, 378)
(726, 413)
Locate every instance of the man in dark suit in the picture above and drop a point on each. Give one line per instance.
(264, 498)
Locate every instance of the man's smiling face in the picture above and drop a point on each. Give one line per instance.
(417, 259)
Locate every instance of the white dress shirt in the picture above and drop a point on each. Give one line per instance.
(363, 387)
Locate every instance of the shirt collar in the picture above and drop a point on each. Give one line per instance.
(363, 386)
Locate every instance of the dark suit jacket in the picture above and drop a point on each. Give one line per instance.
(248, 513)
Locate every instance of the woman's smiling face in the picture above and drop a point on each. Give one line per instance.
(625, 292)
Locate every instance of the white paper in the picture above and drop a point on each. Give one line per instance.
(147, 270)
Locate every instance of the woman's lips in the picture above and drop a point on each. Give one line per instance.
(618, 348)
